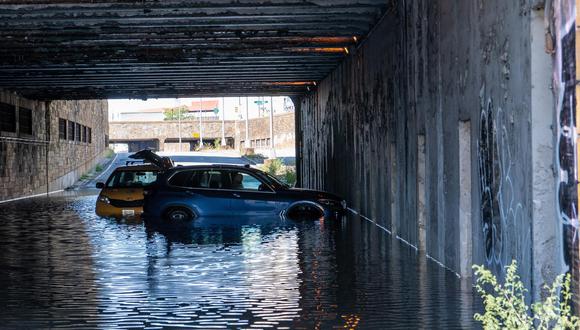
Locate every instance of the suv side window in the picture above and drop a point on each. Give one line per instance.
(181, 179)
(209, 179)
(217, 179)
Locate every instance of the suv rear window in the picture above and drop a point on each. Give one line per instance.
(181, 179)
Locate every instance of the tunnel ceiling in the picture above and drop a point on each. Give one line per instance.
(69, 49)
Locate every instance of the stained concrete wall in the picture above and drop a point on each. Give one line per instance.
(437, 69)
(29, 162)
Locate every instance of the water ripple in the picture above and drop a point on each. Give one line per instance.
(64, 267)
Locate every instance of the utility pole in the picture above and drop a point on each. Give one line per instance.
(178, 109)
(223, 121)
(200, 128)
(247, 142)
(272, 150)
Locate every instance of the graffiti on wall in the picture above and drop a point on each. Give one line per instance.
(566, 147)
(499, 208)
(566, 152)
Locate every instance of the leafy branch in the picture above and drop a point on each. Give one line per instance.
(506, 308)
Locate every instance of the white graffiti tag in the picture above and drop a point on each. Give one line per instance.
(498, 205)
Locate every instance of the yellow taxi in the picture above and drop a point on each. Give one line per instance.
(122, 194)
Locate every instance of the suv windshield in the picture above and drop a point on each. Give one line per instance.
(132, 179)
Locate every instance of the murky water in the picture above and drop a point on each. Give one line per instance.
(64, 267)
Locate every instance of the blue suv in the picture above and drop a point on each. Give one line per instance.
(189, 192)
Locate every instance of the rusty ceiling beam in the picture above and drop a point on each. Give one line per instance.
(74, 49)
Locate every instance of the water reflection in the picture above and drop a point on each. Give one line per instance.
(47, 267)
(65, 267)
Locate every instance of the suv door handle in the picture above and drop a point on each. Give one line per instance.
(236, 195)
(190, 193)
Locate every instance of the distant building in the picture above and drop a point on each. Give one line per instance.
(209, 110)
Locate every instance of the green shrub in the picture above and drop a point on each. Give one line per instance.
(273, 167)
(290, 176)
(505, 306)
(217, 144)
(99, 168)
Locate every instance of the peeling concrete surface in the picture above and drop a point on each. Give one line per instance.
(547, 259)
(465, 206)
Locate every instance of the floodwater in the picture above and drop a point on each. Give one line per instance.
(64, 267)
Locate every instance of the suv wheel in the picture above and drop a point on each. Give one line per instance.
(178, 214)
(304, 212)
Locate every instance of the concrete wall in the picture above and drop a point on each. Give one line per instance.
(28, 162)
(458, 76)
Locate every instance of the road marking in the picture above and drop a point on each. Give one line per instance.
(32, 196)
(404, 241)
(108, 168)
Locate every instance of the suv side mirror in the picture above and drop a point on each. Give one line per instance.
(100, 185)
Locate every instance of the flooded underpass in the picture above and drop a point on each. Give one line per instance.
(64, 267)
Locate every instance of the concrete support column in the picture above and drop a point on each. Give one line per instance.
(439, 230)
(47, 122)
(546, 235)
(465, 190)
(421, 197)
(298, 138)
(394, 191)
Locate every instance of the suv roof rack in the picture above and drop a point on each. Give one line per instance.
(133, 162)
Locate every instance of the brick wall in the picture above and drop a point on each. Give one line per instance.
(29, 161)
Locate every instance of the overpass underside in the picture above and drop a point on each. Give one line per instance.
(448, 125)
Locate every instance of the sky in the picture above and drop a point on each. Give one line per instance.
(116, 105)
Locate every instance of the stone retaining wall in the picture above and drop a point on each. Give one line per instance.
(29, 161)
(259, 130)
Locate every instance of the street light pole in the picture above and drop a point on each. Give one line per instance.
(178, 109)
(223, 122)
(200, 122)
(247, 142)
(272, 150)
(179, 127)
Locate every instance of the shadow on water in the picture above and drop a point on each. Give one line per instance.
(65, 267)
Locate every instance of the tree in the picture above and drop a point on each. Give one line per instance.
(176, 113)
